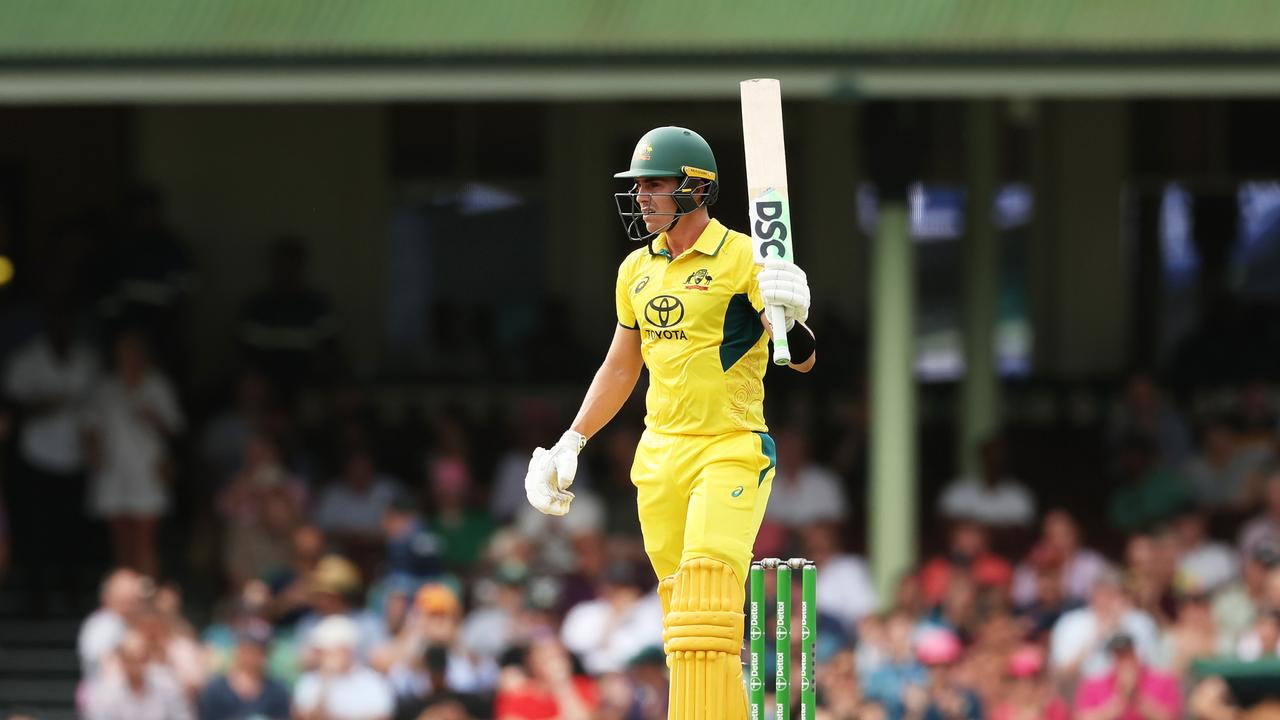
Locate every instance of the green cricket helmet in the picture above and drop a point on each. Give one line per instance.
(674, 152)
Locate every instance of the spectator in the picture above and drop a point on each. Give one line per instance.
(131, 418)
(179, 653)
(888, 683)
(291, 586)
(1235, 606)
(839, 692)
(413, 552)
(548, 689)
(1192, 635)
(141, 690)
(289, 329)
(1212, 700)
(340, 687)
(1029, 694)
(336, 590)
(245, 690)
(262, 505)
(1262, 640)
(443, 701)
(1264, 529)
(1048, 599)
(1254, 417)
(1059, 546)
(608, 632)
(225, 435)
(1144, 412)
(1225, 474)
(804, 492)
(434, 621)
(943, 698)
(494, 626)
(49, 380)
(967, 553)
(1203, 564)
(1131, 690)
(101, 632)
(533, 417)
(993, 498)
(1146, 493)
(464, 529)
(1152, 568)
(844, 591)
(351, 510)
(1078, 642)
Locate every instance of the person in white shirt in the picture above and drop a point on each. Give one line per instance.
(994, 498)
(129, 421)
(341, 688)
(48, 380)
(1204, 564)
(1078, 642)
(1060, 544)
(845, 591)
(610, 630)
(804, 492)
(101, 632)
(352, 507)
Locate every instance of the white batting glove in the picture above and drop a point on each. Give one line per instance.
(784, 283)
(551, 473)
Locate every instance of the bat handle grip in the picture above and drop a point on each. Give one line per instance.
(781, 349)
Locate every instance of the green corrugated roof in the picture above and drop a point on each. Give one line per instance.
(162, 30)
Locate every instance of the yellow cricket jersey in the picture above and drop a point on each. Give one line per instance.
(700, 332)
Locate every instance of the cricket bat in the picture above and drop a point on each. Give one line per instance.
(767, 188)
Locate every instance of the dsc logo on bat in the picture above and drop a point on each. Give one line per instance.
(771, 225)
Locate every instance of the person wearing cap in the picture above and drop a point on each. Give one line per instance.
(1029, 694)
(1131, 690)
(245, 690)
(943, 697)
(1077, 645)
(340, 687)
(336, 590)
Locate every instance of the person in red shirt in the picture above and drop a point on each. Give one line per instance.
(549, 689)
(968, 552)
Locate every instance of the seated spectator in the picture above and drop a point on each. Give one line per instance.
(1146, 493)
(1264, 528)
(967, 552)
(1254, 416)
(340, 687)
(845, 591)
(101, 632)
(463, 528)
(1048, 600)
(1131, 690)
(804, 491)
(1150, 573)
(414, 553)
(1145, 412)
(493, 627)
(179, 653)
(245, 690)
(959, 610)
(291, 586)
(1262, 640)
(944, 697)
(839, 692)
(547, 689)
(1204, 564)
(261, 505)
(993, 498)
(608, 632)
(1225, 474)
(1191, 636)
(1059, 546)
(1077, 646)
(336, 590)
(1235, 606)
(351, 509)
(1029, 694)
(443, 701)
(1212, 700)
(434, 621)
(900, 670)
(140, 690)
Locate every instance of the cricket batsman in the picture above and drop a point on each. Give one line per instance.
(690, 306)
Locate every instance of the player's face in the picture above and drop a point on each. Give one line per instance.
(654, 197)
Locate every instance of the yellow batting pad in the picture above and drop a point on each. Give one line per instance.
(703, 640)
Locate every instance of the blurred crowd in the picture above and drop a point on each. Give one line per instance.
(283, 548)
